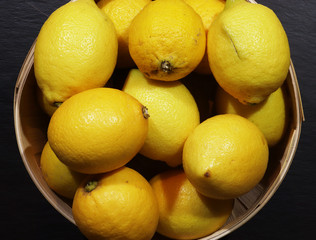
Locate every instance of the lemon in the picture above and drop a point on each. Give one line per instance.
(92, 2)
(271, 115)
(225, 156)
(118, 205)
(167, 40)
(248, 51)
(208, 10)
(76, 50)
(97, 130)
(57, 175)
(122, 12)
(173, 115)
(183, 212)
(47, 108)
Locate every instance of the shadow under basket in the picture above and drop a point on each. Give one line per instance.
(31, 126)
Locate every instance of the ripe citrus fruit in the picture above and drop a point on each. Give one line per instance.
(98, 130)
(57, 175)
(76, 49)
(122, 12)
(271, 115)
(118, 205)
(173, 115)
(225, 156)
(167, 40)
(248, 51)
(47, 108)
(208, 10)
(185, 213)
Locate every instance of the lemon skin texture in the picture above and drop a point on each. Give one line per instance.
(122, 12)
(167, 40)
(271, 115)
(248, 51)
(225, 156)
(208, 10)
(97, 130)
(48, 108)
(57, 175)
(76, 50)
(173, 115)
(185, 213)
(118, 205)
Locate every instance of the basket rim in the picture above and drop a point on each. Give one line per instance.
(26, 67)
(298, 115)
(298, 118)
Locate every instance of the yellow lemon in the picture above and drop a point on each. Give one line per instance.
(122, 12)
(208, 10)
(248, 51)
(98, 130)
(48, 108)
(92, 2)
(167, 40)
(225, 156)
(271, 115)
(183, 212)
(118, 205)
(57, 175)
(76, 50)
(173, 115)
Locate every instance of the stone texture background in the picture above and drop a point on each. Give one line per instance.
(290, 214)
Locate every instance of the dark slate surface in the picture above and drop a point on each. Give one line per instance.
(290, 214)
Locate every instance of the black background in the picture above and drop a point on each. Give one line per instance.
(25, 213)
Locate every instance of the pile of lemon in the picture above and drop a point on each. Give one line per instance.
(200, 91)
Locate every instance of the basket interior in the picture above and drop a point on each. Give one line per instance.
(31, 124)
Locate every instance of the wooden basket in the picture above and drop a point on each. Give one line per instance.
(31, 125)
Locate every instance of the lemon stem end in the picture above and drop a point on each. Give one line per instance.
(166, 67)
(145, 112)
(90, 186)
(57, 104)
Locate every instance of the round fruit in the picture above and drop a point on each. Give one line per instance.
(173, 115)
(118, 205)
(122, 12)
(167, 40)
(208, 10)
(183, 212)
(248, 51)
(98, 130)
(271, 115)
(57, 175)
(225, 156)
(76, 50)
